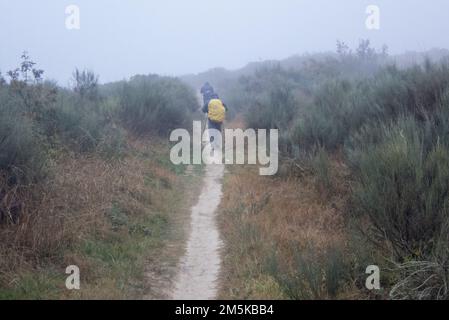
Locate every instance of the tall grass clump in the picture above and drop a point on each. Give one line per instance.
(321, 168)
(311, 274)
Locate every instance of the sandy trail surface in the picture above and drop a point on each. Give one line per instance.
(200, 266)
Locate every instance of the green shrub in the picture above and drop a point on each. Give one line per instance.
(86, 84)
(270, 98)
(330, 118)
(112, 143)
(401, 188)
(21, 146)
(156, 104)
(273, 111)
(80, 124)
(77, 123)
(341, 108)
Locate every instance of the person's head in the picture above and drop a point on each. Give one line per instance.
(207, 84)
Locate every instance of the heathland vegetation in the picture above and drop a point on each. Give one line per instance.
(370, 136)
(85, 180)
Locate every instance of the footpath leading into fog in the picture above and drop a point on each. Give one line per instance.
(200, 266)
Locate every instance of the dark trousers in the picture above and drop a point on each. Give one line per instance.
(213, 125)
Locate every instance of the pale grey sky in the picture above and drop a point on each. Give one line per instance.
(118, 39)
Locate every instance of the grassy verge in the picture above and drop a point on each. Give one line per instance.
(285, 238)
(114, 219)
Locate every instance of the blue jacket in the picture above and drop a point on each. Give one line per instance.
(207, 91)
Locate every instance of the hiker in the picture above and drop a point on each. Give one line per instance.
(207, 91)
(216, 113)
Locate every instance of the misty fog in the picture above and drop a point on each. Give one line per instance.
(118, 39)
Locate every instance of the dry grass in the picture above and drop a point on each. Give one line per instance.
(265, 218)
(107, 217)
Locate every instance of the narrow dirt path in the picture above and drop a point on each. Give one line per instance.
(200, 266)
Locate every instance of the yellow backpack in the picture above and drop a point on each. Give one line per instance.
(217, 111)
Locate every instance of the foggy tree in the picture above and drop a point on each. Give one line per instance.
(85, 83)
(365, 51)
(2, 80)
(26, 73)
(343, 49)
